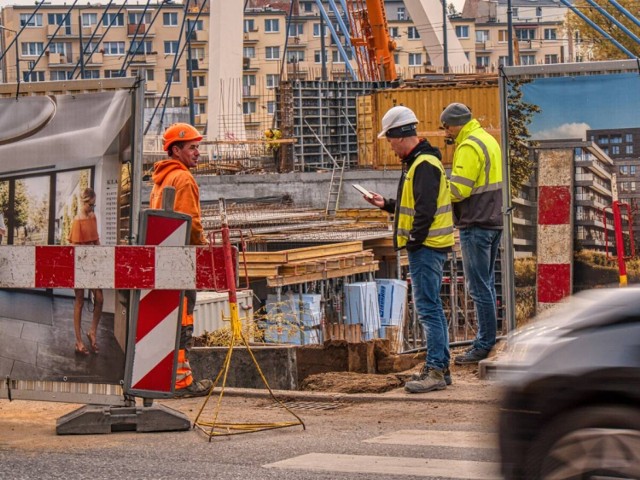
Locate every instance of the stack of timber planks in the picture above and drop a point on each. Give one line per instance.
(308, 264)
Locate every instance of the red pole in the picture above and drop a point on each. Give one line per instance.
(230, 274)
(617, 227)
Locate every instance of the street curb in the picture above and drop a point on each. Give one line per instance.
(441, 396)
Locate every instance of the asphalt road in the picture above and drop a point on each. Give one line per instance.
(369, 440)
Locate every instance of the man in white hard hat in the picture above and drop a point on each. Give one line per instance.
(424, 226)
(476, 195)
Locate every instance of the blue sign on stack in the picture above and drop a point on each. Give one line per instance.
(361, 306)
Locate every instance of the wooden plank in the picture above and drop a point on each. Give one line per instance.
(331, 249)
(260, 271)
(265, 257)
(278, 281)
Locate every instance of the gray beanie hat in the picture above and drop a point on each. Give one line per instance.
(455, 114)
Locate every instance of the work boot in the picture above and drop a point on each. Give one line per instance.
(422, 374)
(196, 389)
(434, 380)
(472, 356)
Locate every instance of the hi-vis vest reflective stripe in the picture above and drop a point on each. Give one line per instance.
(441, 230)
(492, 178)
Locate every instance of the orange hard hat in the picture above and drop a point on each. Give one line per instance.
(180, 132)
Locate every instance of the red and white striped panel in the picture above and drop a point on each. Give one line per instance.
(158, 312)
(113, 267)
(555, 227)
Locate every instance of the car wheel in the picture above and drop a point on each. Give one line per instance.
(589, 443)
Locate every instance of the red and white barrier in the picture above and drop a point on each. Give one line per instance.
(113, 267)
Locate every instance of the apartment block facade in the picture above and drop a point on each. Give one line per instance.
(50, 46)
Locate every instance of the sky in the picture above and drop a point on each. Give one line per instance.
(572, 105)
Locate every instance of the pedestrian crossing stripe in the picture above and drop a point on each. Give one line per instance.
(438, 438)
(417, 467)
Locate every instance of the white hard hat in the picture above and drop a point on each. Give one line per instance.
(397, 117)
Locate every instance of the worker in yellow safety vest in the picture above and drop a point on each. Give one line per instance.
(424, 226)
(181, 142)
(476, 193)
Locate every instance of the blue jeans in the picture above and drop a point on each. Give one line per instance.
(480, 248)
(426, 266)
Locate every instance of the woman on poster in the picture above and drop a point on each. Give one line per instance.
(84, 231)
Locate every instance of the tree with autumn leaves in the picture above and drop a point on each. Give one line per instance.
(600, 47)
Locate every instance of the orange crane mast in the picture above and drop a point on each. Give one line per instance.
(370, 37)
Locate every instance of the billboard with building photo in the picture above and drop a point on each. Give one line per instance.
(54, 143)
(584, 155)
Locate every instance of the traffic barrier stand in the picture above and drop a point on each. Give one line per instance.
(216, 428)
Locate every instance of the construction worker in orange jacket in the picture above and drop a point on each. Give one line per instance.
(181, 142)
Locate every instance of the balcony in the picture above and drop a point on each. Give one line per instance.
(200, 92)
(144, 29)
(198, 36)
(64, 31)
(88, 30)
(95, 59)
(150, 58)
(55, 59)
(246, 65)
(150, 87)
(201, 119)
(249, 91)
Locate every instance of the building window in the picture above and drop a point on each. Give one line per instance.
(33, 76)
(92, 74)
(114, 73)
(146, 73)
(273, 80)
(394, 32)
(113, 48)
(271, 107)
(632, 169)
(171, 47)
(503, 36)
(249, 52)
(113, 19)
(89, 19)
(538, 11)
(396, 58)
(503, 60)
(91, 47)
(482, 36)
(170, 19)
(295, 56)
(58, 47)
(272, 53)
(248, 107)
(549, 59)
(296, 29)
(141, 48)
(615, 150)
(527, 59)
(199, 108)
(317, 58)
(135, 17)
(526, 34)
(249, 80)
(617, 139)
(175, 78)
(308, 6)
(624, 170)
(271, 25)
(628, 137)
(58, 19)
(316, 30)
(514, 12)
(605, 150)
(32, 49)
(603, 141)
(415, 59)
(482, 61)
(462, 31)
(412, 33)
(249, 25)
(401, 13)
(550, 34)
(59, 75)
(628, 149)
(36, 21)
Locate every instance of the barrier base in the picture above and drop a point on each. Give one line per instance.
(97, 419)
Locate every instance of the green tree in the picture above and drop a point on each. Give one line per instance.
(21, 203)
(520, 116)
(601, 47)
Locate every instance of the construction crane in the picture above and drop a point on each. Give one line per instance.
(371, 40)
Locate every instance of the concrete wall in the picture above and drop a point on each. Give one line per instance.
(306, 189)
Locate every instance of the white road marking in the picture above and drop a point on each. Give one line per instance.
(438, 438)
(419, 467)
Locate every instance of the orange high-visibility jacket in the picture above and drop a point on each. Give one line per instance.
(173, 173)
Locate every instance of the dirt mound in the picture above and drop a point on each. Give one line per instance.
(351, 382)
